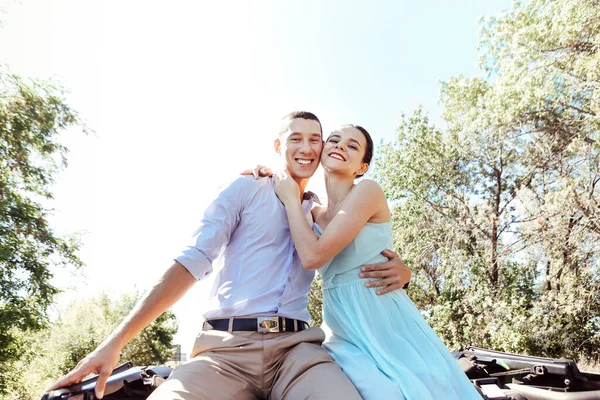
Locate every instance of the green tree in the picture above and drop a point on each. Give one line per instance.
(32, 116)
(499, 212)
(315, 302)
(153, 345)
(442, 215)
(82, 326)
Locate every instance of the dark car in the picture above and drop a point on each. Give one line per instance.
(496, 375)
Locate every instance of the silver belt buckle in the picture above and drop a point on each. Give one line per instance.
(268, 324)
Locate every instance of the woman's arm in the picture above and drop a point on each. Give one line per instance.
(365, 201)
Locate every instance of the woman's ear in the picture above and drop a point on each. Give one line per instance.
(363, 169)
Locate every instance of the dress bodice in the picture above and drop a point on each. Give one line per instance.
(366, 248)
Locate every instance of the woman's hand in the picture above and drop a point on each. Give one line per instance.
(260, 171)
(286, 188)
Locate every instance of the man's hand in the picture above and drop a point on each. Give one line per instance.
(393, 274)
(171, 286)
(259, 171)
(101, 361)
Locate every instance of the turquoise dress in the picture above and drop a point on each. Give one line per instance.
(382, 342)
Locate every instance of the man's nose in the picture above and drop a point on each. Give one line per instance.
(305, 148)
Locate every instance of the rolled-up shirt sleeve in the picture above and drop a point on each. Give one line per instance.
(218, 223)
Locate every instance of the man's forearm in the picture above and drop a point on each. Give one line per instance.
(173, 284)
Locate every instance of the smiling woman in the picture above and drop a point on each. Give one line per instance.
(381, 341)
(357, 146)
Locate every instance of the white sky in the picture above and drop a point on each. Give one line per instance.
(182, 95)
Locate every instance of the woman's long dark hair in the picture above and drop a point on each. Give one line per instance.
(369, 150)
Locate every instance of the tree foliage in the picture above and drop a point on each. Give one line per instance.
(82, 326)
(153, 344)
(315, 301)
(32, 116)
(499, 212)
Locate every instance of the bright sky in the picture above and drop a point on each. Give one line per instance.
(182, 95)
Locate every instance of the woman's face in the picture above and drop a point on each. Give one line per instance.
(344, 151)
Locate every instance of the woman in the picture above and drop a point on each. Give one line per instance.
(382, 342)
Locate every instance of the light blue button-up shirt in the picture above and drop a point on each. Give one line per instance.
(244, 236)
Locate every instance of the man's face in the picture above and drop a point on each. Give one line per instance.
(300, 145)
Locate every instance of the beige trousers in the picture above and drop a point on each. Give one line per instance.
(252, 365)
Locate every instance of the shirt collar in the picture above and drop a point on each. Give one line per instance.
(311, 196)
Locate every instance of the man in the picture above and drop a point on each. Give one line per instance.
(256, 342)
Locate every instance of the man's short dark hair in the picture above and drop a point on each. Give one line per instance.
(299, 114)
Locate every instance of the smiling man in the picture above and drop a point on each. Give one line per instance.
(256, 342)
(300, 142)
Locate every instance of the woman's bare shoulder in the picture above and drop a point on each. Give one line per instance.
(369, 189)
(369, 186)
